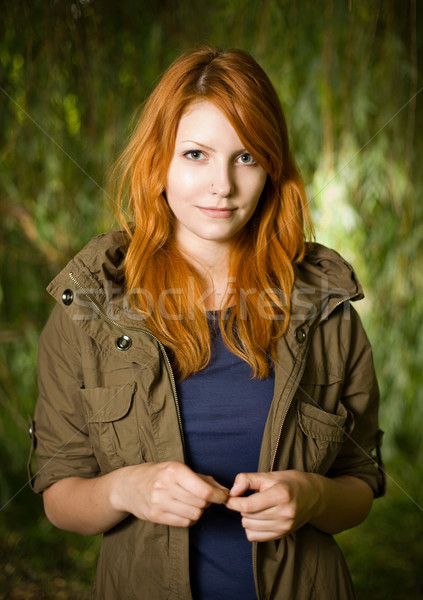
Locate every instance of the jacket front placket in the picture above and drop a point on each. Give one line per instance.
(290, 365)
(289, 368)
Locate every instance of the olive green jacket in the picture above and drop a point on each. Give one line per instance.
(107, 399)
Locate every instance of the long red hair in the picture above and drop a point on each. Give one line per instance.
(163, 286)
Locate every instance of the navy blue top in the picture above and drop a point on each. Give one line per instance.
(223, 413)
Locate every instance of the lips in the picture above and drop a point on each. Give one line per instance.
(217, 213)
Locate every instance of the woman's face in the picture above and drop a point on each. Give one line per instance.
(213, 183)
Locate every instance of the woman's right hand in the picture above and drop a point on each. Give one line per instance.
(169, 493)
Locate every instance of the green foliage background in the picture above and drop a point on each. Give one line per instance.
(348, 73)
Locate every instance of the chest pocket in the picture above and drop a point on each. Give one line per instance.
(323, 421)
(113, 425)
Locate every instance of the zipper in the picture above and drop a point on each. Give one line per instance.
(106, 318)
(342, 302)
(255, 569)
(288, 404)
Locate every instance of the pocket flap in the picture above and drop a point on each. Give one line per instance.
(321, 425)
(103, 405)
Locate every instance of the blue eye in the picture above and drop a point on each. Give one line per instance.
(246, 159)
(194, 154)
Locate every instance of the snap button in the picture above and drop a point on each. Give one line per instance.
(31, 430)
(123, 342)
(300, 335)
(67, 297)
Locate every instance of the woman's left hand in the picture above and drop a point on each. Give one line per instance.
(284, 501)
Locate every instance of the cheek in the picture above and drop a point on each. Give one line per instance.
(261, 183)
(180, 183)
(254, 189)
(252, 180)
(190, 180)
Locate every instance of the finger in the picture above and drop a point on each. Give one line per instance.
(271, 513)
(241, 485)
(237, 504)
(207, 490)
(182, 495)
(177, 514)
(175, 520)
(278, 526)
(251, 481)
(263, 536)
(213, 482)
(256, 503)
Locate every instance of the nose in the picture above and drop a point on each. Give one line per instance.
(222, 184)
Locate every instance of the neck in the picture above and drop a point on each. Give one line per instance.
(211, 261)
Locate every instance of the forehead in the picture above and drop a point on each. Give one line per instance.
(204, 117)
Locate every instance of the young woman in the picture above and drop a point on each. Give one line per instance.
(207, 394)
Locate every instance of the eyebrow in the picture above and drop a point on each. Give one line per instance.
(209, 147)
(198, 144)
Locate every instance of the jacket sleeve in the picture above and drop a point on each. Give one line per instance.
(360, 454)
(60, 438)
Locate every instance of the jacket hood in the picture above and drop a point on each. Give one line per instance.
(101, 259)
(97, 269)
(323, 280)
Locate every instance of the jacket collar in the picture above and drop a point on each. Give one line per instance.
(323, 280)
(91, 288)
